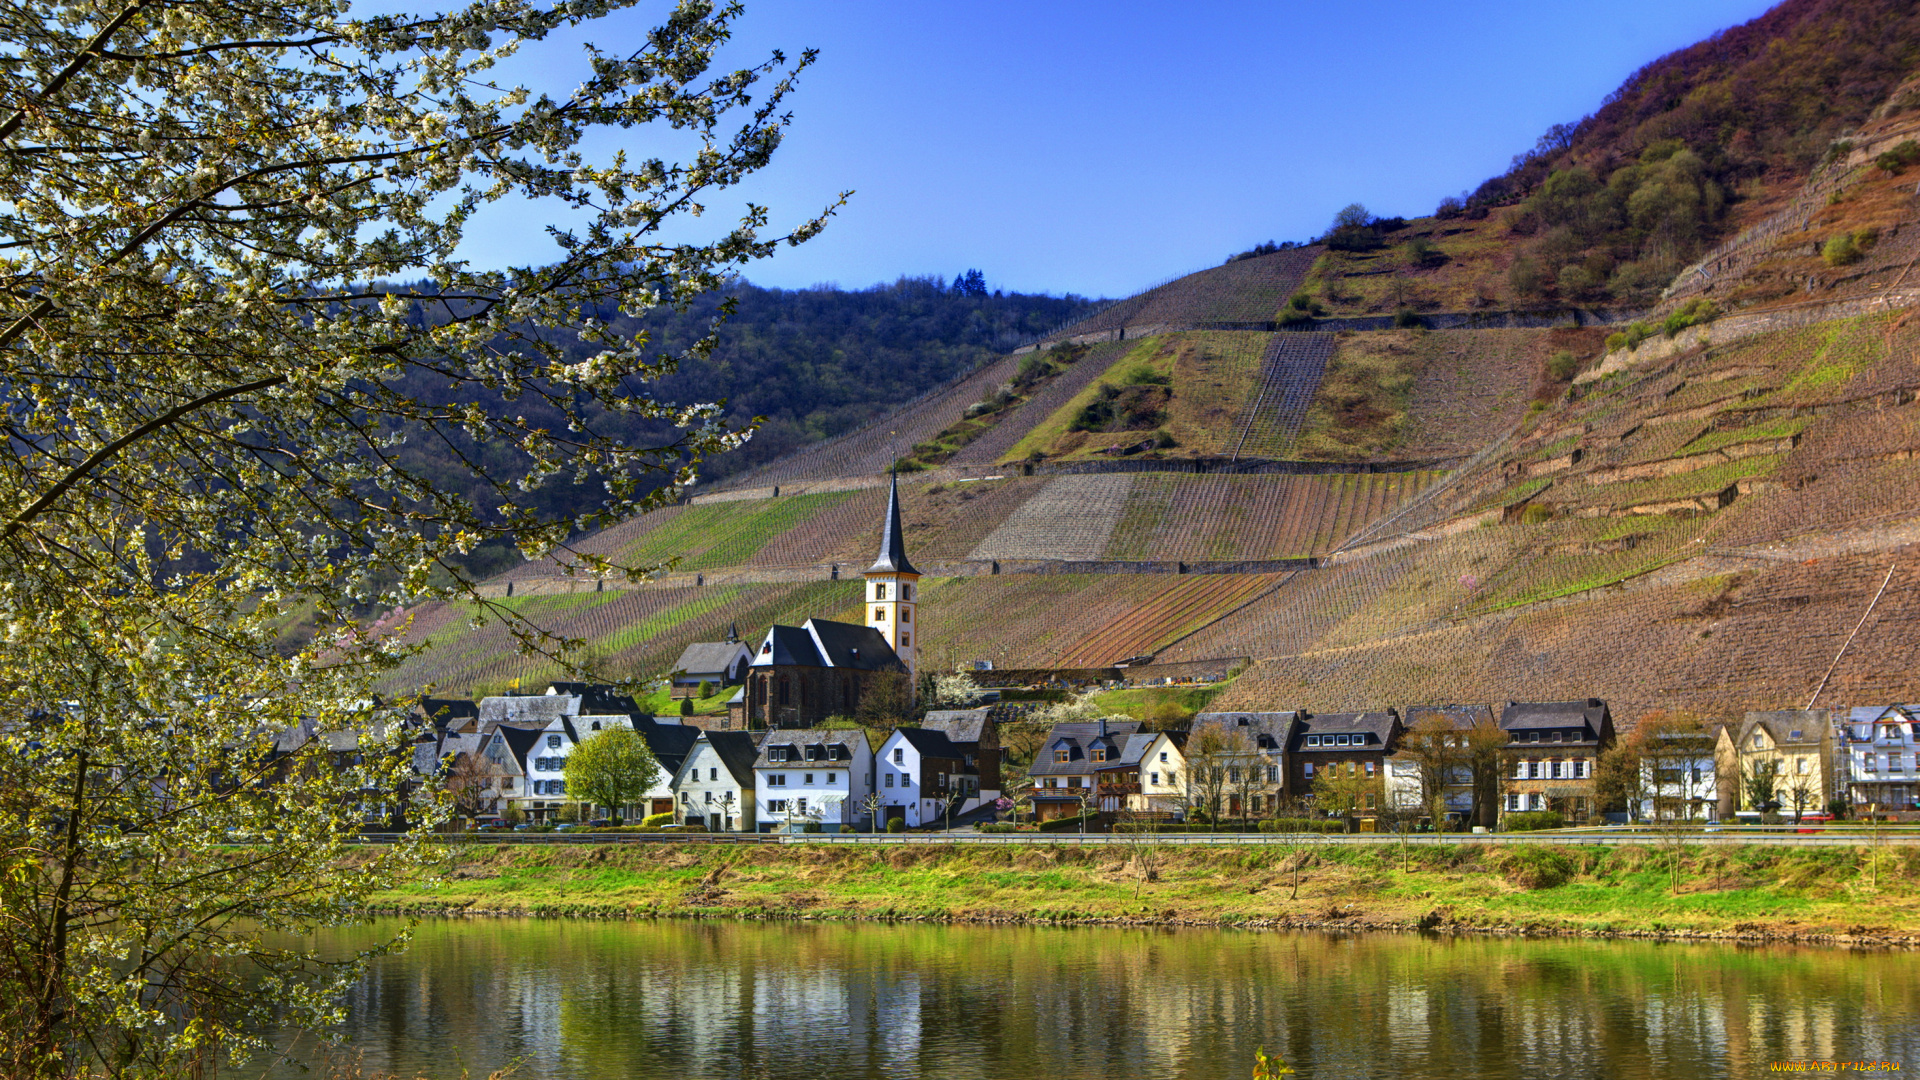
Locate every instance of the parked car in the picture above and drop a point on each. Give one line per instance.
(1815, 820)
(490, 824)
(600, 823)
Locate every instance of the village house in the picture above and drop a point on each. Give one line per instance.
(1455, 726)
(1163, 775)
(715, 665)
(812, 776)
(1552, 748)
(977, 734)
(1250, 748)
(1679, 776)
(714, 785)
(917, 771)
(1345, 751)
(1066, 770)
(1883, 745)
(1784, 755)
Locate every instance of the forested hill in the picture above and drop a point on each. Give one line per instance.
(816, 362)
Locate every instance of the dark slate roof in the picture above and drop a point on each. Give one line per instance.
(520, 741)
(1268, 729)
(931, 743)
(669, 742)
(1078, 738)
(445, 712)
(736, 751)
(960, 725)
(1592, 712)
(596, 698)
(526, 708)
(846, 744)
(1132, 750)
(710, 657)
(893, 541)
(825, 643)
(1781, 724)
(1460, 716)
(1378, 727)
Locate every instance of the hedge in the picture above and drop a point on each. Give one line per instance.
(1312, 825)
(658, 819)
(1531, 820)
(1063, 824)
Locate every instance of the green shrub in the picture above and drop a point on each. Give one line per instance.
(1837, 150)
(1407, 319)
(1562, 365)
(896, 825)
(1422, 252)
(1897, 159)
(1534, 867)
(1692, 313)
(1630, 338)
(1147, 376)
(1300, 301)
(657, 820)
(1842, 250)
(1064, 824)
(1526, 277)
(1303, 825)
(1531, 820)
(1164, 439)
(1295, 317)
(686, 706)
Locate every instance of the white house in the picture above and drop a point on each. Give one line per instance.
(547, 761)
(1883, 757)
(917, 770)
(1679, 777)
(714, 786)
(808, 775)
(1163, 775)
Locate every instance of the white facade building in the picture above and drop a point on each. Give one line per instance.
(1163, 775)
(812, 775)
(916, 771)
(1883, 757)
(714, 786)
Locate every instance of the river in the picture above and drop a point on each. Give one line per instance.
(685, 999)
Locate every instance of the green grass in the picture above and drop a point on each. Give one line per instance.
(1047, 434)
(705, 536)
(1160, 703)
(662, 702)
(1603, 890)
(1684, 485)
(1783, 428)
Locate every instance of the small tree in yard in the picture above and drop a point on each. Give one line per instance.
(871, 804)
(1800, 790)
(470, 781)
(613, 768)
(1212, 751)
(1439, 751)
(1761, 781)
(1341, 788)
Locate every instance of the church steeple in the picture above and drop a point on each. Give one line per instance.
(893, 542)
(890, 585)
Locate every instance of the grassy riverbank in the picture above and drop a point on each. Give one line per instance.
(1749, 893)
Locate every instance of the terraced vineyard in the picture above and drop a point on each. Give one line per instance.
(1291, 369)
(1229, 517)
(1026, 620)
(1071, 518)
(997, 443)
(1246, 291)
(1195, 602)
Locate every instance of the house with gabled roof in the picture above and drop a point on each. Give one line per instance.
(714, 786)
(1251, 756)
(1351, 747)
(1882, 746)
(1551, 751)
(714, 664)
(812, 775)
(977, 733)
(1455, 725)
(917, 770)
(1076, 758)
(1796, 745)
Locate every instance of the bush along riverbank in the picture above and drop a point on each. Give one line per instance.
(1841, 895)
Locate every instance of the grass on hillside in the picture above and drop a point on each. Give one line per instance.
(706, 536)
(1360, 410)
(1152, 358)
(1543, 887)
(662, 702)
(1160, 706)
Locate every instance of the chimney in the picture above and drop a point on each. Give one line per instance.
(1103, 727)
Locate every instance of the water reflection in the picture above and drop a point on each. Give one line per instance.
(713, 1000)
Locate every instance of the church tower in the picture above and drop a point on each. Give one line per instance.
(891, 585)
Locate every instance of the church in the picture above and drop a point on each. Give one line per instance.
(800, 675)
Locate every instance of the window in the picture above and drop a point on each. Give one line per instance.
(1871, 758)
(1173, 778)
(1533, 769)
(906, 615)
(786, 690)
(906, 640)
(1273, 774)
(899, 756)
(777, 780)
(809, 779)
(879, 590)
(1533, 801)
(1804, 763)
(1163, 757)
(1369, 800)
(1893, 763)
(833, 778)
(1060, 756)
(1233, 774)
(800, 805)
(1153, 778)
(889, 779)
(1553, 768)
(713, 773)
(686, 796)
(553, 742)
(1309, 770)
(1579, 768)
(1757, 742)
(1513, 801)
(1352, 769)
(1533, 736)
(1794, 736)
(906, 781)
(1369, 768)
(709, 798)
(1099, 753)
(1342, 740)
(879, 614)
(906, 590)
(776, 806)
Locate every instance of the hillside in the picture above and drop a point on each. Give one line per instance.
(1374, 482)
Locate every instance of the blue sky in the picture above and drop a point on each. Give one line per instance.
(1069, 146)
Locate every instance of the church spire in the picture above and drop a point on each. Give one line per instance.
(893, 543)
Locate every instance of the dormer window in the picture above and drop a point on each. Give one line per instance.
(1060, 756)
(1794, 736)
(553, 742)
(1099, 753)
(1758, 742)
(1313, 740)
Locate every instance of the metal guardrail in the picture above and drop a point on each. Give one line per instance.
(1766, 835)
